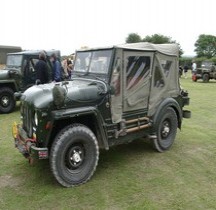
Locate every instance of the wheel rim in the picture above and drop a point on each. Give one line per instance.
(5, 100)
(75, 156)
(165, 129)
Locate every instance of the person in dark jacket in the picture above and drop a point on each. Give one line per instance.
(185, 71)
(56, 71)
(41, 67)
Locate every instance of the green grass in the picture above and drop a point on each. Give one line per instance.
(131, 176)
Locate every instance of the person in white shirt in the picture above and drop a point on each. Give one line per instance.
(194, 66)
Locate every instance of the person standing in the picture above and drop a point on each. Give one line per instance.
(56, 68)
(41, 67)
(64, 69)
(69, 67)
(185, 71)
(194, 66)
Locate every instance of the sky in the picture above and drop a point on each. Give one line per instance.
(68, 25)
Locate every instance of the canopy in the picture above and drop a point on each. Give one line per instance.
(168, 49)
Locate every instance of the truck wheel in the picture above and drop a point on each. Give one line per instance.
(166, 129)
(7, 100)
(74, 155)
(205, 78)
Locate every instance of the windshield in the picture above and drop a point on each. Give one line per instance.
(207, 64)
(14, 60)
(93, 61)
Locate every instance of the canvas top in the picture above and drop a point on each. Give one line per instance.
(168, 49)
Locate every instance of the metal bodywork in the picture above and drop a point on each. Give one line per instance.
(117, 92)
(19, 73)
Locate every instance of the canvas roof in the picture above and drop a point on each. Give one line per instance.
(168, 49)
(35, 52)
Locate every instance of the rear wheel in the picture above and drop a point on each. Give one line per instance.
(7, 100)
(74, 155)
(205, 78)
(166, 129)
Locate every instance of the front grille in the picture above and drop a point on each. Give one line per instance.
(27, 119)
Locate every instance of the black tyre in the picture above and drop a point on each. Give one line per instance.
(7, 100)
(74, 155)
(166, 129)
(205, 78)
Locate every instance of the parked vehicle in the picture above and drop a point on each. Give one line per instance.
(206, 72)
(18, 75)
(116, 95)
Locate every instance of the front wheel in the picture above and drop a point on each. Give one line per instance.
(166, 129)
(7, 100)
(74, 155)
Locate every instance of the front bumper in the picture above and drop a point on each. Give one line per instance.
(27, 146)
(186, 101)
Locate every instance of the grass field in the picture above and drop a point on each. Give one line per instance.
(131, 176)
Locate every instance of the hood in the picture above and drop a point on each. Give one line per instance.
(65, 94)
(9, 73)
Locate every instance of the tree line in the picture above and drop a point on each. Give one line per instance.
(205, 46)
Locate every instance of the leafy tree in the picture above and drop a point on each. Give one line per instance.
(206, 46)
(158, 39)
(161, 39)
(133, 38)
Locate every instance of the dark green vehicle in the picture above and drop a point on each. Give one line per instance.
(19, 75)
(116, 95)
(206, 72)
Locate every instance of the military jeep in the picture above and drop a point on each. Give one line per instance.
(206, 72)
(115, 95)
(18, 75)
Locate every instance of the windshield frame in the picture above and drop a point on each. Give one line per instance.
(87, 61)
(14, 60)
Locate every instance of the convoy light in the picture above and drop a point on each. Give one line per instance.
(59, 94)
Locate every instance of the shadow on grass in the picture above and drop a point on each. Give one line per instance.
(123, 154)
(40, 173)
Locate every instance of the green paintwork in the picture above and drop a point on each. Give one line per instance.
(17, 75)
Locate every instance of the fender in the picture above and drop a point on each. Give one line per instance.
(76, 112)
(169, 102)
(9, 83)
(12, 84)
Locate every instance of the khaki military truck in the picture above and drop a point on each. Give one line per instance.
(116, 95)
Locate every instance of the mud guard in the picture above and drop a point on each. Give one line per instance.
(168, 102)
